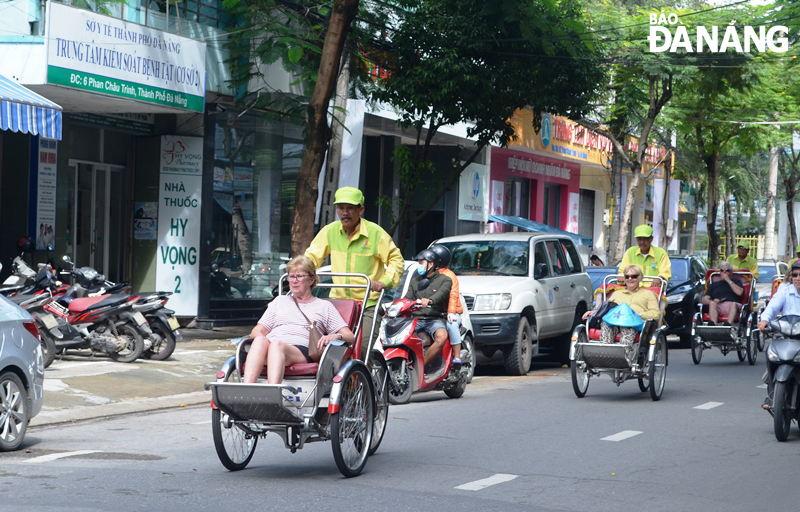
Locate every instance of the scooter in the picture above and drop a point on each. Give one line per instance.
(104, 324)
(163, 334)
(404, 350)
(783, 359)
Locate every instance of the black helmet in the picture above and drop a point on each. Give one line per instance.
(428, 255)
(26, 245)
(443, 253)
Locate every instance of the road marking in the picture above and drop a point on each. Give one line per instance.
(477, 485)
(708, 405)
(201, 422)
(54, 456)
(625, 434)
(762, 386)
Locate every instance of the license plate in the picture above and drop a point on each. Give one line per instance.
(140, 319)
(49, 322)
(173, 323)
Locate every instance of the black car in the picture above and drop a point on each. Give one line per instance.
(684, 291)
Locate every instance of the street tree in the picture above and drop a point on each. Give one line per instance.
(478, 62)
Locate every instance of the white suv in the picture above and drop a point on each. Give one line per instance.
(523, 291)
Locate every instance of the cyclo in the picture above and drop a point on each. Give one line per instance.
(647, 363)
(739, 335)
(339, 399)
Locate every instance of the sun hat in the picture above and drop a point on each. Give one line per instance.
(745, 247)
(349, 195)
(623, 316)
(643, 231)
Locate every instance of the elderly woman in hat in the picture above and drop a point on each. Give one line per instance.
(642, 301)
(652, 261)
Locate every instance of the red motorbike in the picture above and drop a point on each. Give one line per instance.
(404, 350)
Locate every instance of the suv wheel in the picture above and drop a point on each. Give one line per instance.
(517, 357)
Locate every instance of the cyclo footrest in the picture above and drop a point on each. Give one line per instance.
(258, 403)
(604, 355)
(716, 332)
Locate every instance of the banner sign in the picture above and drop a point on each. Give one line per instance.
(46, 184)
(473, 193)
(107, 55)
(178, 257)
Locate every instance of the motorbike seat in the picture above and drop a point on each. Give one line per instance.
(88, 303)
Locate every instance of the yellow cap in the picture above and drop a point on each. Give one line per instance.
(643, 231)
(349, 195)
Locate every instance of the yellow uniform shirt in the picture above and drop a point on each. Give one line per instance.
(369, 251)
(643, 302)
(654, 263)
(749, 263)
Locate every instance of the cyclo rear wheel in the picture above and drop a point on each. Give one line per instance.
(697, 349)
(351, 426)
(234, 446)
(752, 348)
(580, 376)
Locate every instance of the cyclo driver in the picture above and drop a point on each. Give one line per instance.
(432, 289)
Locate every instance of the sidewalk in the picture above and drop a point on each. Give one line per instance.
(78, 388)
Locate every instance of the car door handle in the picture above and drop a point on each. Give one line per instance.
(555, 287)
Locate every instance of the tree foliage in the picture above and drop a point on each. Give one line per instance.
(478, 62)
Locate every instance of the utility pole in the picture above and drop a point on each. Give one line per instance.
(772, 190)
(333, 163)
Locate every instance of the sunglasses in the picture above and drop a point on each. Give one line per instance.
(795, 275)
(726, 270)
(631, 276)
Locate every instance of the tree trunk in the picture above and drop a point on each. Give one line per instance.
(730, 234)
(318, 132)
(792, 238)
(666, 238)
(711, 162)
(616, 214)
(627, 213)
(769, 249)
(693, 238)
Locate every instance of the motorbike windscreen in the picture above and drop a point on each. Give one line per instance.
(499, 257)
(788, 325)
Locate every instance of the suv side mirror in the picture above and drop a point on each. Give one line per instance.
(540, 270)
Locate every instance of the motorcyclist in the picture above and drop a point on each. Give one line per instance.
(787, 302)
(432, 289)
(454, 309)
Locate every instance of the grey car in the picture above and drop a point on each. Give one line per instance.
(21, 373)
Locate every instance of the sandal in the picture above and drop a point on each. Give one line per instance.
(767, 405)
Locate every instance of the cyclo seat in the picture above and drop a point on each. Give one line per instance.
(349, 310)
(649, 325)
(744, 275)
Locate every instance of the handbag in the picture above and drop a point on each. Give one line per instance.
(599, 313)
(314, 353)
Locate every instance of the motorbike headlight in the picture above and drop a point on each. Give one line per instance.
(393, 310)
(797, 357)
(398, 337)
(676, 297)
(492, 301)
(772, 355)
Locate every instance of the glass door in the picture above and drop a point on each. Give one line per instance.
(93, 215)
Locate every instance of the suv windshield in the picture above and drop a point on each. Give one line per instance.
(489, 257)
(766, 273)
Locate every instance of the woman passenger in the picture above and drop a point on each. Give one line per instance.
(281, 335)
(642, 301)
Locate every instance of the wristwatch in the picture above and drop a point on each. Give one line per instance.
(340, 336)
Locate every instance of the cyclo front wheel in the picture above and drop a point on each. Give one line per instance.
(380, 380)
(351, 426)
(658, 368)
(234, 446)
(580, 376)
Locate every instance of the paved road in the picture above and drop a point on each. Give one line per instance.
(524, 443)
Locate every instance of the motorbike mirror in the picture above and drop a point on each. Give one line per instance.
(49, 247)
(66, 258)
(214, 267)
(423, 283)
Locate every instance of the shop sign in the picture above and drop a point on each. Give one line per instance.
(106, 55)
(574, 212)
(180, 187)
(473, 193)
(43, 185)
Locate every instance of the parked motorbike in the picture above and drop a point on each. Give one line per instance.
(36, 296)
(783, 358)
(404, 354)
(163, 335)
(105, 323)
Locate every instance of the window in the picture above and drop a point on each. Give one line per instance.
(539, 257)
(556, 258)
(571, 254)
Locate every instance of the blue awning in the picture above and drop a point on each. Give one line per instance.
(530, 225)
(22, 110)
